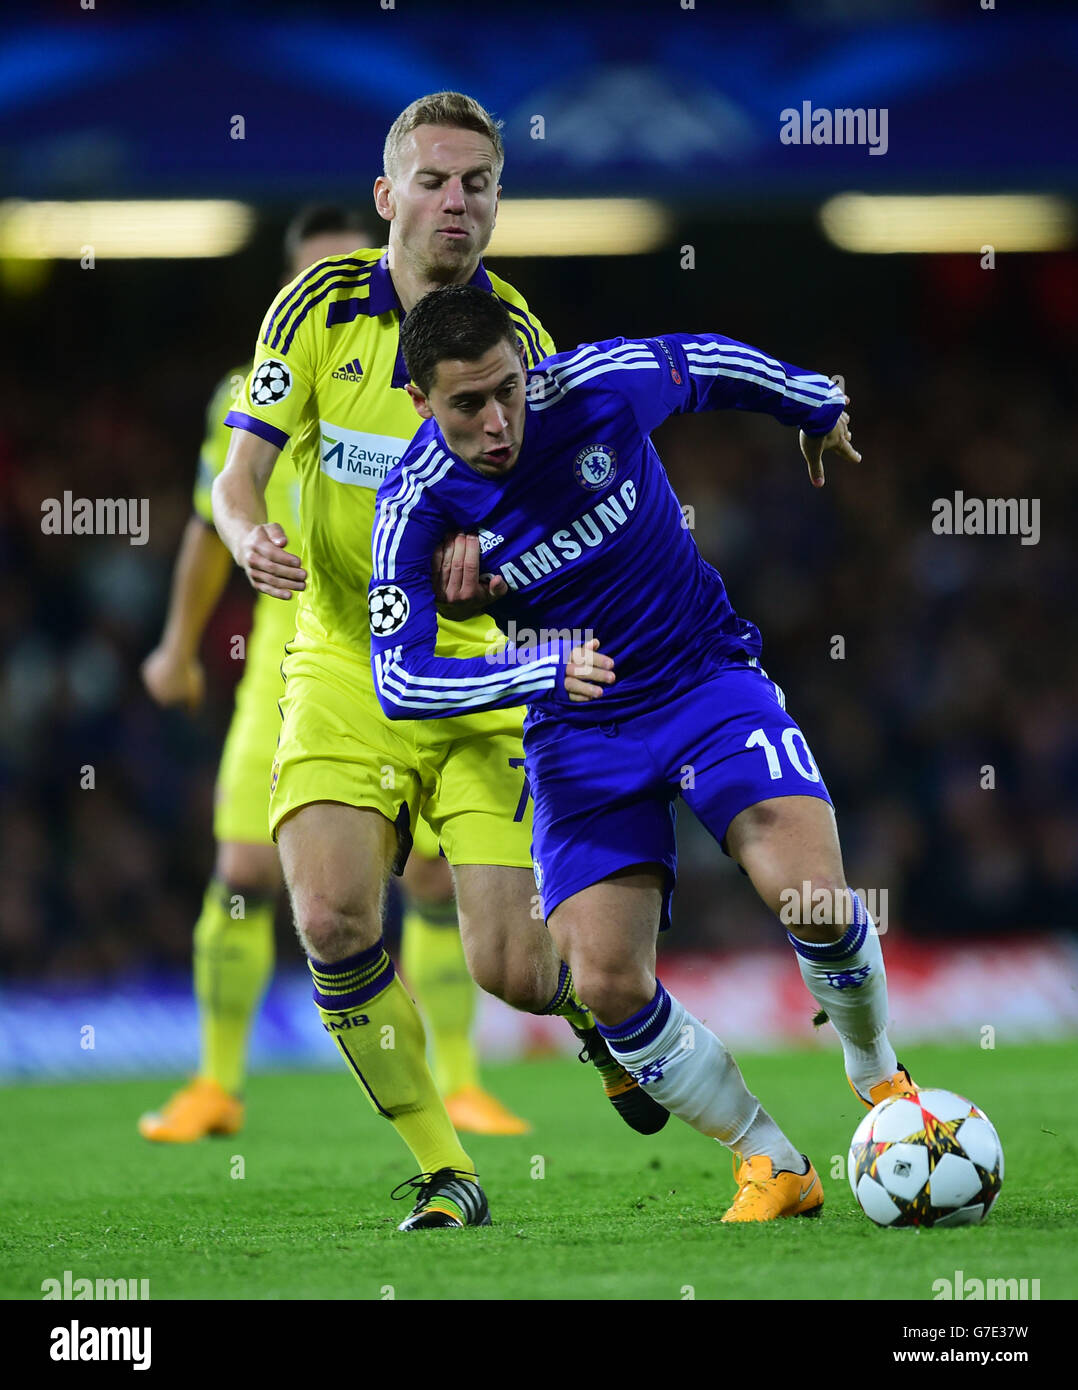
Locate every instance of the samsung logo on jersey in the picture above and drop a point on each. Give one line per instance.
(358, 458)
(586, 533)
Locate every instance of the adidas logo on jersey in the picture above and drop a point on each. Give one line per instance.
(351, 371)
(488, 540)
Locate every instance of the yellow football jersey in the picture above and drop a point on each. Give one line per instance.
(282, 491)
(329, 377)
(274, 620)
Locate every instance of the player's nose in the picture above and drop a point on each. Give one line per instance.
(495, 419)
(454, 196)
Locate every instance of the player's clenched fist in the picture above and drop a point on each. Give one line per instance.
(270, 568)
(587, 671)
(172, 679)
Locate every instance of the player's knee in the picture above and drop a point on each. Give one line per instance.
(428, 882)
(519, 992)
(330, 934)
(245, 902)
(250, 870)
(819, 909)
(510, 978)
(613, 993)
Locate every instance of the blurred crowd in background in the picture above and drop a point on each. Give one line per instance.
(943, 721)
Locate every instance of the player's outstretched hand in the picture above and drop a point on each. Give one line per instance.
(840, 438)
(460, 591)
(270, 568)
(171, 679)
(587, 671)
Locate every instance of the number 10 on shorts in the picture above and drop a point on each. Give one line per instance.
(800, 758)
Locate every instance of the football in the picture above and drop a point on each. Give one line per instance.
(933, 1159)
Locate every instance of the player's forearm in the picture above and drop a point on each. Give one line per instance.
(239, 503)
(198, 580)
(724, 374)
(411, 684)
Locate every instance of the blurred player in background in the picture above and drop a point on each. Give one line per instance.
(234, 937)
(347, 784)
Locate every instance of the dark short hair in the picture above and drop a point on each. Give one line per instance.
(318, 219)
(459, 322)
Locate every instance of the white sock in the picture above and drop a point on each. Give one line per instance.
(848, 981)
(688, 1070)
(763, 1136)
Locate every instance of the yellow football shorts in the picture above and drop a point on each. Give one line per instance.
(463, 775)
(424, 840)
(243, 775)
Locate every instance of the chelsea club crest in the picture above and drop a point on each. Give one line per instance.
(595, 466)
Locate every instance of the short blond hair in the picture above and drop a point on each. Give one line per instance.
(448, 109)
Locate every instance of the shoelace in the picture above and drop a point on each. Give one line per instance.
(608, 1064)
(421, 1183)
(743, 1187)
(743, 1190)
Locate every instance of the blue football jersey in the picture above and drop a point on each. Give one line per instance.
(585, 529)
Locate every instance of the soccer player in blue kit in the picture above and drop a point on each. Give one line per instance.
(553, 477)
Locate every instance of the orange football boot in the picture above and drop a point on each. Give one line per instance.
(475, 1111)
(763, 1195)
(202, 1107)
(901, 1084)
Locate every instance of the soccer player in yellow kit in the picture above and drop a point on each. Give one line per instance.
(347, 784)
(233, 939)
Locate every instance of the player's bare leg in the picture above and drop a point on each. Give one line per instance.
(436, 971)
(511, 955)
(336, 860)
(233, 962)
(789, 847)
(254, 869)
(607, 933)
(508, 948)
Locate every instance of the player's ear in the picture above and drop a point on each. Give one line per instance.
(422, 405)
(383, 198)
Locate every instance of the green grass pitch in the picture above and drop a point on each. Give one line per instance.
(583, 1208)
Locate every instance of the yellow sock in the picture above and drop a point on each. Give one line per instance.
(432, 959)
(566, 1002)
(233, 964)
(371, 1017)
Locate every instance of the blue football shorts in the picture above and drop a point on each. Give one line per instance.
(605, 794)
